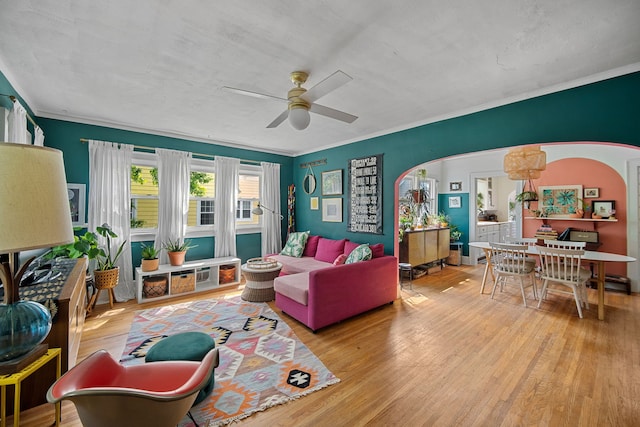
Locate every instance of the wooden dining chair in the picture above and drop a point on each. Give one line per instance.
(562, 267)
(510, 261)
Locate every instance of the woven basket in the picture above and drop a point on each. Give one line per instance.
(264, 263)
(227, 273)
(155, 286)
(106, 279)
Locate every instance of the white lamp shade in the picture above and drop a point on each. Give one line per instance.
(34, 204)
(299, 118)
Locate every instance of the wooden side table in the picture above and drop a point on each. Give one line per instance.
(16, 380)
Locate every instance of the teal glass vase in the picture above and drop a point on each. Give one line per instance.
(23, 325)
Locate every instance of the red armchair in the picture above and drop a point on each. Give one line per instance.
(156, 394)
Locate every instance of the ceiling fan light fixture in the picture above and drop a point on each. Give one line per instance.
(299, 117)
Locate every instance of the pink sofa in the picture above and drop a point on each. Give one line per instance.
(318, 293)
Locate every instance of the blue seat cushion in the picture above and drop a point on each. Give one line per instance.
(185, 346)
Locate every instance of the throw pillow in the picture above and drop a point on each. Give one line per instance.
(311, 246)
(349, 246)
(377, 250)
(295, 244)
(328, 249)
(340, 259)
(361, 253)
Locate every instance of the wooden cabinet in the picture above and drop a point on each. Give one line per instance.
(66, 298)
(424, 246)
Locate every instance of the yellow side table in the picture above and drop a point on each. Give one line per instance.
(17, 378)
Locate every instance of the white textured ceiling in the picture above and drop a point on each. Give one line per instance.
(158, 66)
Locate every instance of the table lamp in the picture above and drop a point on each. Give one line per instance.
(34, 213)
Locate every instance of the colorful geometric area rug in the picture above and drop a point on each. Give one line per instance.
(262, 362)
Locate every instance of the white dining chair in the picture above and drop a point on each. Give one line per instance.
(510, 261)
(560, 266)
(564, 244)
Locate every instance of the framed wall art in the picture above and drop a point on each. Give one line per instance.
(332, 183)
(332, 209)
(559, 201)
(603, 208)
(455, 186)
(591, 193)
(454, 202)
(76, 194)
(314, 203)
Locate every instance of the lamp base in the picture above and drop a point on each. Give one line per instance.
(17, 365)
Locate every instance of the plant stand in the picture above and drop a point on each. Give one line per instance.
(105, 280)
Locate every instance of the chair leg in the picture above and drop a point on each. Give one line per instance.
(524, 297)
(577, 298)
(495, 284)
(543, 293)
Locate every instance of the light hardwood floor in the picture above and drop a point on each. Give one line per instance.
(445, 355)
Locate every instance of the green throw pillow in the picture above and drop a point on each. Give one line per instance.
(361, 253)
(295, 244)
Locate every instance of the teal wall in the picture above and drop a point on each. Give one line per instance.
(607, 111)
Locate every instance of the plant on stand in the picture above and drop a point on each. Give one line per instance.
(177, 250)
(106, 273)
(150, 260)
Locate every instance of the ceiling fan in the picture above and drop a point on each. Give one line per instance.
(301, 101)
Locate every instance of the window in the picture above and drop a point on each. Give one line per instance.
(200, 216)
(248, 196)
(243, 210)
(202, 191)
(144, 193)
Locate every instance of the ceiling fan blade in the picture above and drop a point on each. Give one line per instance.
(253, 94)
(332, 82)
(281, 118)
(333, 114)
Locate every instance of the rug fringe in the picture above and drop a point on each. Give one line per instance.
(271, 404)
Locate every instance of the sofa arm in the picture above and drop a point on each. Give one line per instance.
(341, 291)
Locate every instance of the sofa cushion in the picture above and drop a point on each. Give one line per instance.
(295, 244)
(349, 246)
(361, 253)
(377, 250)
(293, 265)
(294, 286)
(328, 249)
(312, 246)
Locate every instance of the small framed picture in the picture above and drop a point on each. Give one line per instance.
(455, 186)
(332, 183)
(332, 210)
(76, 194)
(454, 202)
(603, 208)
(591, 193)
(314, 203)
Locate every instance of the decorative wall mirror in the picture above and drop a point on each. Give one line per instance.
(309, 182)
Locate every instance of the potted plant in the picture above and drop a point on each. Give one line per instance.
(176, 250)
(106, 273)
(150, 260)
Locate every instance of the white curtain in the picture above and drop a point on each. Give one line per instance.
(225, 209)
(270, 197)
(110, 203)
(174, 173)
(38, 138)
(18, 124)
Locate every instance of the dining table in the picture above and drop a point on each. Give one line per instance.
(597, 257)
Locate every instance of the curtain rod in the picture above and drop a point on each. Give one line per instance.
(211, 156)
(14, 99)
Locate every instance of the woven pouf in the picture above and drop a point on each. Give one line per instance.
(259, 286)
(185, 346)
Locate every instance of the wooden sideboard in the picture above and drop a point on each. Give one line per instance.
(425, 246)
(67, 296)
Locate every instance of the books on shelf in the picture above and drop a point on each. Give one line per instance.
(545, 231)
